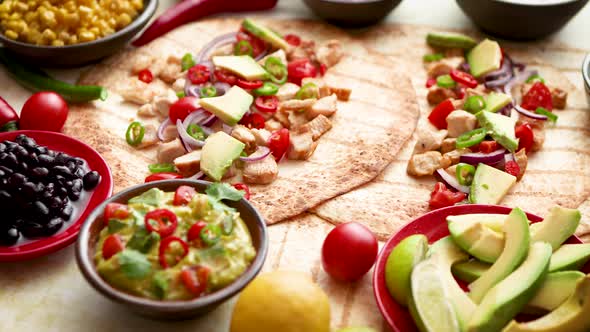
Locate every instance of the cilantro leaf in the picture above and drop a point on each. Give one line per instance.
(134, 264)
(221, 191)
(142, 240)
(115, 225)
(161, 284)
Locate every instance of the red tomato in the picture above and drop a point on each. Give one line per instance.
(463, 78)
(194, 234)
(438, 115)
(430, 82)
(300, 69)
(248, 85)
(349, 251)
(199, 74)
(183, 195)
(44, 111)
(195, 279)
(278, 143)
(258, 45)
(292, 39)
(538, 96)
(512, 168)
(115, 211)
(442, 197)
(323, 69)
(225, 76)
(243, 187)
(525, 136)
(253, 120)
(112, 245)
(488, 146)
(267, 104)
(182, 108)
(162, 176)
(145, 76)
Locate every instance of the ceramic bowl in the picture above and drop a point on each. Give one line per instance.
(352, 13)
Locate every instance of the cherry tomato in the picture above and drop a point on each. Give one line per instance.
(195, 279)
(182, 108)
(225, 76)
(253, 120)
(526, 137)
(537, 96)
(145, 76)
(115, 211)
(512, 168)
(438, 115)
(248, 85)
(161, 221)
(430, 82)
(300, 69)
(258, 45)
(199, 74)
(44, 111)
(349, 251)
(463, 78)
(488, 146)
(112, 245)
(267, 104)
(243, 187)
(292, 39)
(162, 176)
(194, 233)
(278, 143)
(442, 197)
(183, 195)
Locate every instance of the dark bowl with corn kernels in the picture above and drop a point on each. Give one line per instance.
(74, 37)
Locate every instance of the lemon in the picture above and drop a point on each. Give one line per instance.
(283, 301)
(398, 268)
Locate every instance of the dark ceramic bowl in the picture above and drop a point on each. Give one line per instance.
(352, 13)
(168, 310)
(83, 53)
(586, 74)
(521, 19)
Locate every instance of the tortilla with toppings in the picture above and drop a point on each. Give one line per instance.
(367, 130)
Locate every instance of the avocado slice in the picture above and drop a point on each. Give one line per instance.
(570, 257)
(516, 228)
(242, 65)
(469, 271)
(219, 152)
(265, 34)
(230, 107)
(479, 241)
(450, 40)
(492, 220)
(484, 58)
(558, 226)
(495, 101)
(555, 290)
(507, 298)
(490, 185)
(571, 316)
(500, 127)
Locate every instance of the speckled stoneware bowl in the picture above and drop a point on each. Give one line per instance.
(352, 13)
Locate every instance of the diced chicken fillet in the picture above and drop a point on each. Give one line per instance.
(318, 126)
(261, 172)
(305, 50)
(141, 62)
(170, 72)
(170, 133)
(282, 118)
(538, 138)
(296, 104)
(301, 146)
(443, 66)
(169, 151)
(178, 85)
(137, 92)
(147, 110)
(287, 91)
(330, 53)
(243, 134)
(448, 145)
(460, 122)
(429, 139)
(261, 135)
(163, 102)
(297, 119)
(189, 164)
(343, 94)
(150, 137)
(280, 54)
(452, 170)
(323, 88)
(522, 161)
(455, 155)
(427, 163)
(326, 106)
(559, 98)
(272, 125)
(437, 95)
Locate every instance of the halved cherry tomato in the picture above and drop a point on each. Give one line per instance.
(267, 104)
(162, 176)
(241, 186)
(438, 116)
(112, 245)
(292, 39)
(115, 211)
(442, 197)
(300, 69)
(161, 221)
(145, 76)
(195, 279)
(194, 233)
(183, 195)
(526, 137)
(323, 69)
(248, 85)
(430, 82)
(463, 78)
(182, 108)
(460, 92)
(199, 74)
(253, 120)
(258, 45)
(488, 146)
(512, 168)
(225, 76)
(278, 143)
(165, 244)
(538, 95)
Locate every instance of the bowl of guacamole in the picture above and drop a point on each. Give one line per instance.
(172, 249)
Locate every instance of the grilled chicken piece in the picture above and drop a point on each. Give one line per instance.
(559, 98)
(305, 50)
(459, 122)
(301, 146)
(282, 118)
(138, 93)
(272, 125)
(188, 164)
(436, 94)
(429, 139)
(261, 172)
(455, 155)
(150, 137)
(147, 111)
(178, 85)
(163, 102)
(169, 151)
(343, 94)
(261, 135)
(243, 134)
(443, 66)
(448, 145)
(522, 161)
(170, 133)
(323, 88)
(170, 72)
(296, 104)
(317, 127)
(538, 138)
(330, 53)
(426, 163)
(325, 106)
(297, 119)
(287, 91)
(142, 62)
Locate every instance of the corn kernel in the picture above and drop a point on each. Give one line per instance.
(86, 36)
(57, 42)
(48, 35)
(11, 34)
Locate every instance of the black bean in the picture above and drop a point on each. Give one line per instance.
(9, 236)
(32, 229)
(41, 150)
(30, 190)
(91, 180)
(2, 147)
(53, 226)
(25, 140)
(46, 160)
(40, 208)
(39, 172)
(33, 159)
(63, 171)
(62, 158)
(23, 167)
(79, 172)
(20, 153)
(8, 159)
(10, 145)
(55, 203)
(62, 192)
(16, 180)
(67, 211)
(6, 170)
(71, 165)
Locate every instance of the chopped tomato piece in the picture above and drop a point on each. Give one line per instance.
(512, 168)
(438, 116)
(300, 69)
(183, 195)
(145, 76)
(243, 187)
(182, 108)
(526, 137)
(323, 69)
(253, 120)
(162, 176)
(195, 279)
(463, 78)
(278, 143)
(292, 39)
(194, 234)
(430, 82)
(267, 104)
(199, 74)
(488, 146)
(248, 85)
(225, 76)
(112, 245)
(538, 95)
(115, 211)
(442, 197)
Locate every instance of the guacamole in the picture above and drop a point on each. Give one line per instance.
(174, 245)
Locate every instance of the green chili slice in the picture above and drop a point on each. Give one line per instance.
(159, 168)
(180, 94)
(445, 81)
(471, 138)
(208, 91)
(277, 71)
(243, 47)
(535, 78)
(196, 132)
(267, 89)
(134, 134)
(432, 57)
(210, 234)
(474, 104)
(465, 173)
(550, 115)
(308, 90)
(187, 62)
(227, 225)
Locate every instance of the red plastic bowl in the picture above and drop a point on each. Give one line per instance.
(71, 146)
(434, 226)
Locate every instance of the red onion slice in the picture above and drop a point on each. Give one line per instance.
(189, 141)
(196, 117)
(261, 55)
(197, 176)
(227, 129)
(210, 120)
(163, 127)
(518, 79)
(260, 153)
(483, 158)
(221, 88)
(217, 42)
(451, 181)
(530, 114)
(509, 157)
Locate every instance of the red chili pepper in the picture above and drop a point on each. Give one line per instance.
(115, 211)
(292, 39)
(165, 244)
(526, 137)
(225, 76)
(199, 74)
(194, 233)
(195, 279)
(460, 91)
(248, 85)
(165, 220)
(253, 120)
(300, 69)
(278, 143)
(183, 195)
(438, 116)
(512, 168)
(463, 78)
(241, 186)
(430, 82)
(112, 245)
(443, 197)
(488, 146)
(267, 104)
(538, 95)
(8, 117)
(162, 176)
(323, 69)
(145, 76)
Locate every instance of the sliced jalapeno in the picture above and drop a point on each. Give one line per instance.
(134, 134)
(267, 89)
(208, 91)
(308, 90)
(187, 62)
(471, 138)
(474, 104)
(445, 81)
(243, 47)
(210, 234)
(196, 132)
(159, 168)
(276, 69)
(465, 173)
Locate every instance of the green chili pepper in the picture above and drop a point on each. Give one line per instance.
(180, 94)
(308, 90)
(243, 47)
(535, 78)
(432, 57)
(267, 89)
(550, 115)
(187, 62)
(196, 132)
(474, 104)
(159, 168)
(210, 234)
(277, 71)
(208, 91)
(445, 81)
(37, 80)
(465, 173)
(227, 225)
(471, 138)
(134, 134)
